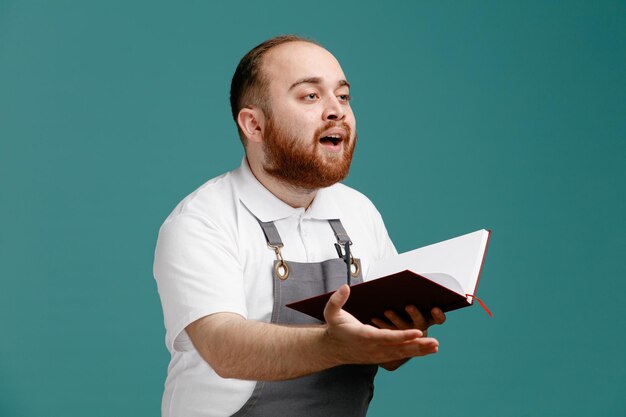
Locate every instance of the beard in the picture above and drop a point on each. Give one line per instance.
(301, 163)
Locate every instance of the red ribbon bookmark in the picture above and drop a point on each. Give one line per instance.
(481, 303)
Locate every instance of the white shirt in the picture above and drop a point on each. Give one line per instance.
(212, 257)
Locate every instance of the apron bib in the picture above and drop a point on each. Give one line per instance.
(344, 390)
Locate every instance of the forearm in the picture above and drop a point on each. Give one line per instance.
(246, 349)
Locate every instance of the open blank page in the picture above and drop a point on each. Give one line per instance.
(459, 258)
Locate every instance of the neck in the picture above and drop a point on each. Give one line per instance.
(294, 196)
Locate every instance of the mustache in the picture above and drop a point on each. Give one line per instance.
(333, 124)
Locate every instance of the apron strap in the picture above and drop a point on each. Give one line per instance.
(271, 234)
(340, 232)
(273, 238)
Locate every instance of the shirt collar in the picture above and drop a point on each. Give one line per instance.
(267, 207)
(324, 205)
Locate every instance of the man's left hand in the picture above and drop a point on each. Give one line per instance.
(395, 321)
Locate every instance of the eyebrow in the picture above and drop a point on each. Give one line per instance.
(316, 80)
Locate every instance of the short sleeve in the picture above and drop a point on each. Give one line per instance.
(198, 273)
(386, 246)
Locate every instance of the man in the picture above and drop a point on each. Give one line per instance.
(234, 252)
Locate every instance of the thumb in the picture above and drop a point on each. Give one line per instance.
(336, 302)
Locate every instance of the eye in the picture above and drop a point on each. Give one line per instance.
(311, 97)
(344, 97)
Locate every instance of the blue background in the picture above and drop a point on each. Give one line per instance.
(494, 114)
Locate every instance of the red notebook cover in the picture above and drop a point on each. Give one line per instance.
(394, 292)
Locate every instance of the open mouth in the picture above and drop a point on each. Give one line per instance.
(333, 140)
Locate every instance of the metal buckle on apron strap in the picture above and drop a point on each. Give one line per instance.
(280, 268)
(355, 266)
(352, 264)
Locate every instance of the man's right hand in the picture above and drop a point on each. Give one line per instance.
(355, 342)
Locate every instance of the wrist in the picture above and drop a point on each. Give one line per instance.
(330, 349)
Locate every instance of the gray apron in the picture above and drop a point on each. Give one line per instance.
(344, 390)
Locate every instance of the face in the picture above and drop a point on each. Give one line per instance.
(310, 130)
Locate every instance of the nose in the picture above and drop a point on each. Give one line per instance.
(333, 109)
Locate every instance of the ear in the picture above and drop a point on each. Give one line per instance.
(251, 121)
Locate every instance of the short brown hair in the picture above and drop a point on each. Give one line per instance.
(249, 85)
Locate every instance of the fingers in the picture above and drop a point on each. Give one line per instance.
(418, 319)
(395, 321)
(438, 316)
(398, 321)
(392, 336)
(382, 324)
(336, 302)
(416, 347)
